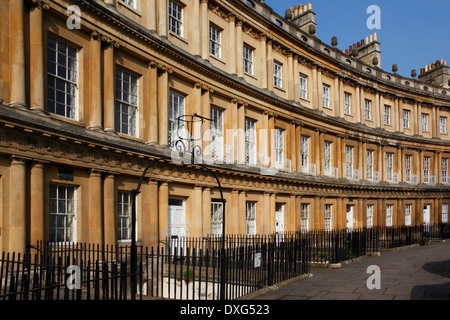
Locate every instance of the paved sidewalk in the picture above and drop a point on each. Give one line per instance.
(414, 273)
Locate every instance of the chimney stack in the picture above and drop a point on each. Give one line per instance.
(304, 17)
(437, 73)
(368, 49)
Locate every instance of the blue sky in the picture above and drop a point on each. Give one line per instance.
(413, 33)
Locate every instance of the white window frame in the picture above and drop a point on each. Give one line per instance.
(176, 17)
(177, 107)
(68, 213)
(328, 217)
(369, 164)
(389, 213)
(127, 103)
(303, 87)
(369, 216)
(305, 217)
(278, 74)
(215, 40)
(250, 142)
(368, 109)
(444, 213)
(304, 150)
(248, 53)
(389, 166)
(406, 117)
(444, 170)
(216, 134)
(327, 157)
(131, 3)
(347, 103)
(250, 218)
(408, 171)
(326, 95)
(426, 169)
(408, 211)
(425, 121)
(349, 162)
(123, 214)
(279, 147)
(443, 125)
(216, 218)
(387, 114)
(66, 76)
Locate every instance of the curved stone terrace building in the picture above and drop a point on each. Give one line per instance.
(302, 135)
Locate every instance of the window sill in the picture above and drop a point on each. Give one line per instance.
(250, 75)
(279, 88)
(127, 136)
(178, 37)
(219, 59)
(65, 119)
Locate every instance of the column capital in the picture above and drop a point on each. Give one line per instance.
(39, 4)
(95, 35)
(16, 160)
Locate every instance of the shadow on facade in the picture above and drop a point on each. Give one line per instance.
(437, 291)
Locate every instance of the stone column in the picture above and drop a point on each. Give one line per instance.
(290, 73)
(263, 70)
(242, 214)
(18, 206)
(290, 220)
(162, 17)
(151, 126)
(271, 154)
(241, 132)
(293, 146)
(206, 212)
(232, 222)
(417, 116)
(358, 104)
(400, 152)
(109, 84)
(232, 39)
(204, 29)
(341, 97)
(296, 80)
(196, 212)
(319, 89)
(272, 213)
(17, 54)
(95, 208)
(163, 211)
(163, 108)
(397, 121)
(197, 27)
(206, 112)
(197, 108)
(377, 112)
(109, 210)
(152, 193)
(269, 65)
(37, 102)
(37, 218)
(381, 104)
(150, 14)
(362, 105)
(265, 216)
(239, 49)
(95, 82)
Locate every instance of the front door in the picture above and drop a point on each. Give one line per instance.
(349, 217)
(177, 222)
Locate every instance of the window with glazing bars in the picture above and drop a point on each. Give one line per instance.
(369, 164)
(304, 149)
(327, 158)
(369, 216)
(326, 96)
(444, 170)
(216, 218)
(305, 217)
(347, 103)
(444, 213)
(127, 97)
(368, 109)
(248, 59)
(303, 87)
(176, 109)
(408, 215)
(279, 147)
(62, 215)
(426, 169)
(176, 17)
(124, 216)
(424, 121)
(216, 145)
(443, 125)
(407, 168)
(250, 218)
(250, 141)
(387, 114)
(389, 166)
(131, 3)
(328, 215)
(349, 161)
(278, 74)
(62, 79)
(215, 41)
(405, 118)
(389, 215)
